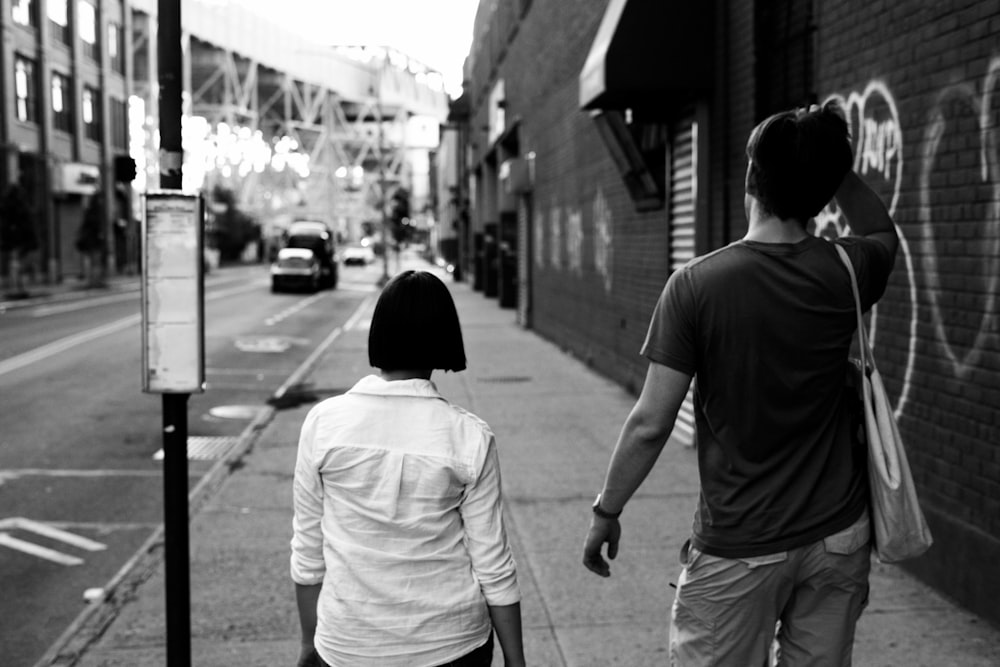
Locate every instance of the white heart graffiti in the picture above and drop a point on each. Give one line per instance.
(878, 156)
(989, 164)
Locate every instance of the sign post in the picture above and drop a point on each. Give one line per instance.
(173, 224)
(173, 352)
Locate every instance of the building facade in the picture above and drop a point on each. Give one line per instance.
(63, 123)
(604, 147)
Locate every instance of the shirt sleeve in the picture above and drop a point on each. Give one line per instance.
(307, 566)
(872, 265)
(670, 339)
(486, 536)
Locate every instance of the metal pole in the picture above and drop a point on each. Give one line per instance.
(175, 530)
(175, 431)
(381, 174)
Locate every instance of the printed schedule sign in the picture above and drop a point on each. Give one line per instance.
(173, 304)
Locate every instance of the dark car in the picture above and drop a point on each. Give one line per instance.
(318, 237)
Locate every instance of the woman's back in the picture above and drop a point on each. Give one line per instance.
(407, 486)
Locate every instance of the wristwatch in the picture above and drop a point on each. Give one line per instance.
(602, 513)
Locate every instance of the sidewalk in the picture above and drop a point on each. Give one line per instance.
(556, 422)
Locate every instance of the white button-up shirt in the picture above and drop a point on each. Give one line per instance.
(398, 513)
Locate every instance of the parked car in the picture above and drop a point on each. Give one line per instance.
(296, 268)
(357, 253)
(319, 238)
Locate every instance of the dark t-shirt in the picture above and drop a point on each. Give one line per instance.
(766, 328)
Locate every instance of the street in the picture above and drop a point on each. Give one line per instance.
(80, 470)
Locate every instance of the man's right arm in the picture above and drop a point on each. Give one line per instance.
(865, 212)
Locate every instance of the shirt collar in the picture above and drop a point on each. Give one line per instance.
(376, 386)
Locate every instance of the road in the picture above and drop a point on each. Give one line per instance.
(80, 476)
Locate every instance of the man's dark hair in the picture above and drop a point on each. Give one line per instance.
(415, 326)
(798, 159)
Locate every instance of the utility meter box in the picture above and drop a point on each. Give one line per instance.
(173, 293)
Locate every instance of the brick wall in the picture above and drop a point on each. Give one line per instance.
(599, 265)
(922, 83)
(924, 78)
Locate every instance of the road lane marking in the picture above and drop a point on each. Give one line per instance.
(263, 344)
(307, 365)
(50, 532)
(64, 344)
(131, 295)
(246, 287)
(69, 342)
(291, 310)
(45, 311)
(17, 473)
(38, 551)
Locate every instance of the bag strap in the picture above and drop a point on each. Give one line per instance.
(867, 359)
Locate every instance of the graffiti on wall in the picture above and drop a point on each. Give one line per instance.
(568, 242)
(539, 245)
(877, 137)
(574, 241)
(603, 246)
(555, 241)
(957, 102)
(961, 127)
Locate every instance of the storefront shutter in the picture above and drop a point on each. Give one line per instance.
(683, 192)
(524, 255)
(683, 186)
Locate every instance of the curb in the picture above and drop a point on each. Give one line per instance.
(95, 619)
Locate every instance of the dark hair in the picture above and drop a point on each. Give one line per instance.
(415, 326)
(798, 159)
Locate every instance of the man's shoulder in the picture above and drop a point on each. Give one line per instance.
(719, 259)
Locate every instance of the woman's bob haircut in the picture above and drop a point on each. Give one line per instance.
(415, 326)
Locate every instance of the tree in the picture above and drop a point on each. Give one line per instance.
(17, 232)
(233, 228)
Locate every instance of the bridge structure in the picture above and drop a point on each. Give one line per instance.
(294, 128)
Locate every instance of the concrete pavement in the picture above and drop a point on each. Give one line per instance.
(556, 422)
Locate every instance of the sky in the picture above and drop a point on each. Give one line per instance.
(436, 32)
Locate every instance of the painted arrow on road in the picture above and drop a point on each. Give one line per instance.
(18, 523)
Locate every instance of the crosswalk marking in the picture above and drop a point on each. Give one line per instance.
(39, 551)
(57, 534)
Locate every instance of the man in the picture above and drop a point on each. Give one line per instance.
(764, 325)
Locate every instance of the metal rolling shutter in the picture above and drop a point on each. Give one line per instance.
(683, 192)
(524, 255)
(683, 189)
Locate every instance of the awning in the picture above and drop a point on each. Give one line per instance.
(648, 52)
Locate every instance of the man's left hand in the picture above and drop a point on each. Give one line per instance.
(601, 531)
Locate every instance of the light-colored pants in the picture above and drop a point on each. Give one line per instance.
(726, 610)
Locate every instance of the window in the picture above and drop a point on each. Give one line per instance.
(59, 20)
(25, 90)
(87, 20)
(638, 147)
(115, 48)
(90, 111)
(24, 12)
(62, 118)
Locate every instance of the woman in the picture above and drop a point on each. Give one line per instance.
(399, 555)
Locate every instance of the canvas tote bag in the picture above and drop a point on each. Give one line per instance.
(901, 531)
